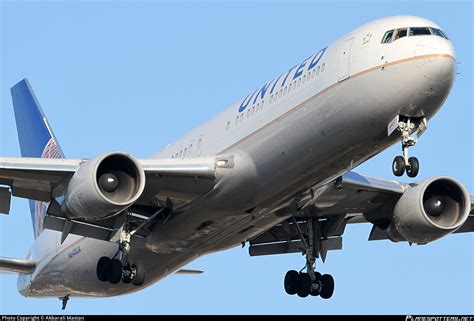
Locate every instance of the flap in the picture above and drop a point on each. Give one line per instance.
(5, 198)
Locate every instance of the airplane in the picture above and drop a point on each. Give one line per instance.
(274, 170)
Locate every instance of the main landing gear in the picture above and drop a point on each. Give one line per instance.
(118, 268)
(411, 165)
(312, 282)
(303, 285)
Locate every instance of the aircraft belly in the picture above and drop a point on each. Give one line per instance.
(71, 270)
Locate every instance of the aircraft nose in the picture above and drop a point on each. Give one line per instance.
(433, 76)
(439, 66)
(435, 45)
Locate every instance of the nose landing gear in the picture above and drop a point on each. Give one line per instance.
(411, 165)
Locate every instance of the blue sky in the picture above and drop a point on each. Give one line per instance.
(156, 69)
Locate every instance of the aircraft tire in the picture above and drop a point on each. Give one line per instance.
(139, 273)
(115, 271)
(414, 167)
(327, 289)
(304, 287)
(102, 268)
(398, 166)
(291, 282)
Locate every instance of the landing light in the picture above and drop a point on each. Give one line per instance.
(222, 162)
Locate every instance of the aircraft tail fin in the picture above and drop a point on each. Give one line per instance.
(35, 136)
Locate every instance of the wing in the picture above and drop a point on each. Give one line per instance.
(35, 178)
(168, 181)
(386, 204)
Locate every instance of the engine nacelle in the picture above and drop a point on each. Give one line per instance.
(430, 210)
(104, 185)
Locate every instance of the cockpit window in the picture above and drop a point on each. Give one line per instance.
(444, 33)
(439, 33)
(395, 34)
(419, 31)
(402, 32)
(387, 38)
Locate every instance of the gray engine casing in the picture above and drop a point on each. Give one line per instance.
(86, 199)
(412, 223)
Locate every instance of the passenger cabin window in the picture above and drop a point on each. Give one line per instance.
(387, 38)
(198, 152)
(419, 31)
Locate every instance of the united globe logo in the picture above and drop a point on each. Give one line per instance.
(51, 150)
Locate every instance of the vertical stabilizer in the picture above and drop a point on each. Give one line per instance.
(35, 136)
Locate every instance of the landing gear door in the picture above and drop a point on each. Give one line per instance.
(343, 61)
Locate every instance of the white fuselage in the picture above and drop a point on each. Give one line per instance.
(307, 126)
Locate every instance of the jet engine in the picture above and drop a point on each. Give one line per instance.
(104, 185)
(429, 210)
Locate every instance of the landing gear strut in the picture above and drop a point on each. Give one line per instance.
(312, 282)
(411, 165)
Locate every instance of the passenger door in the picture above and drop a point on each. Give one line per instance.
(343, 61)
